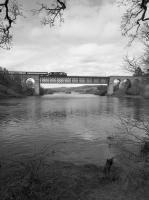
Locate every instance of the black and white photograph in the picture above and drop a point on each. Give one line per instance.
(74, 99)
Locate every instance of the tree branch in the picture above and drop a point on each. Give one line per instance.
(9, 10)
(133, 65)
(134, 17)
(51, 13)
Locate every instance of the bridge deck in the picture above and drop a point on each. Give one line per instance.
(74, 80)
(45, 78)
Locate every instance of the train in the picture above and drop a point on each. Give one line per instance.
(59, 74)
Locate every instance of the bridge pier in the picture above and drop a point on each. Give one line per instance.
(37, 85)
(110, 89)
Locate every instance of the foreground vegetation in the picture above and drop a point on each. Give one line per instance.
(37, 179)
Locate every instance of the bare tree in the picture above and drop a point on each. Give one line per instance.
(130, 145)
(135, 19)
(145, 58)
(9, 11)
(133, 65)
(51, 12)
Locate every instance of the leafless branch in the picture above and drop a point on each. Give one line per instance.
(133, 65)
(52, 12)
(132, 140)
(9, 11)
(134, 17)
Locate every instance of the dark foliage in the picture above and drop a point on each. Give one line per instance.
(9, 80)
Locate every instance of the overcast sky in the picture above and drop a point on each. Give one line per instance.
(89, 42)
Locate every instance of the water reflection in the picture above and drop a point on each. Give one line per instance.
(36, 121)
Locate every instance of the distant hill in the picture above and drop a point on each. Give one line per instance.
(87, 89)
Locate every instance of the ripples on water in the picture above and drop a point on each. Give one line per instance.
(33, 122)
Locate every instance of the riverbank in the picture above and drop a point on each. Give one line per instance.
(6, 92)
(57, 180)
(47, 175)
(39, 180)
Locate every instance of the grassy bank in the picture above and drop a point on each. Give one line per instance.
(35, 179)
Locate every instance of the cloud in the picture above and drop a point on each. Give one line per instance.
(88, 42)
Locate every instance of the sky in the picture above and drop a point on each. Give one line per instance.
(89, 42)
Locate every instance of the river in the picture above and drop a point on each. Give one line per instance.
(72, 125)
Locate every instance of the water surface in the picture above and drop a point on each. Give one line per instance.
(75, 123)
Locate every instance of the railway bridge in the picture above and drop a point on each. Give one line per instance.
(46, 78)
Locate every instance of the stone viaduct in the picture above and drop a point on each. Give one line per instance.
(111, 83)
(44, 78)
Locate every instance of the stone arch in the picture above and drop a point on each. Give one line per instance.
(36, 81)
(30, 82)
(135, 87)
(130, 79)
(116, 84)
(126, 83)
